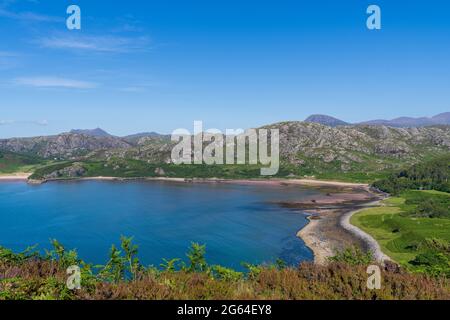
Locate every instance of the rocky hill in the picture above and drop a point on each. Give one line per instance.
(135, 138)
(97, 132)
(326, 120)
(305, 149)
(312, 149)
(63, 146)
(348, 147)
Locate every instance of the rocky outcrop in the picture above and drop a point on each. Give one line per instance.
(315, 140)
(63, 146)
(76, 170)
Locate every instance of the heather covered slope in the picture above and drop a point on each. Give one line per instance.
(30, 276)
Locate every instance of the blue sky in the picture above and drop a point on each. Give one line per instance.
(159, 65)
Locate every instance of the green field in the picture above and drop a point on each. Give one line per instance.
(13, 162)
(404, 232)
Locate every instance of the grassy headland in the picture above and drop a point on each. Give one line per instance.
(413, 227)
(129, 168)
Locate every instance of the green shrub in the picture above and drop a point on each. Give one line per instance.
(196, 256)
(353, 256)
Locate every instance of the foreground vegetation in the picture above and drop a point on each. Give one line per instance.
(29, 275)
(413, 229)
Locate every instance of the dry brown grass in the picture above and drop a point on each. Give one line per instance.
(42, 279)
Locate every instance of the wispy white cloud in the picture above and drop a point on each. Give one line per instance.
(32, 122)
(5, 122)
(8, 60)
(53, 82)
(43, 123)
(29, 16)
(110, 44)
(141, 87)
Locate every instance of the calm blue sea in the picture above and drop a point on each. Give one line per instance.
(236, 222)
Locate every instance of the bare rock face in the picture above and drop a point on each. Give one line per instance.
(74, 171)
(65, 146)
(315, 140)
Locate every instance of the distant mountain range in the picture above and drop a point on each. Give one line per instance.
(134, 138)
(326, 120)
(330, 140)
(94, 132)
(329, 121)
(305, 149)
(98, 132)
(402, 122)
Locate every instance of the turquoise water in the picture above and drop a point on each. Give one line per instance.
(236, 222)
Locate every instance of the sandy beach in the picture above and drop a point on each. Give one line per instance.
(15, 176)
(303, 182)
(272, 182)
(370, 242)
(329, 229)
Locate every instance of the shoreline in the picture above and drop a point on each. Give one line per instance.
(277, 181)
(372, 244)
(321, 251)
(324, 247)
(329, 229)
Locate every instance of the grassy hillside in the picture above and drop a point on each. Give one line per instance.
(12, 162)
(130, 168)
(29, 275)
(413, 229)
(135, 168)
